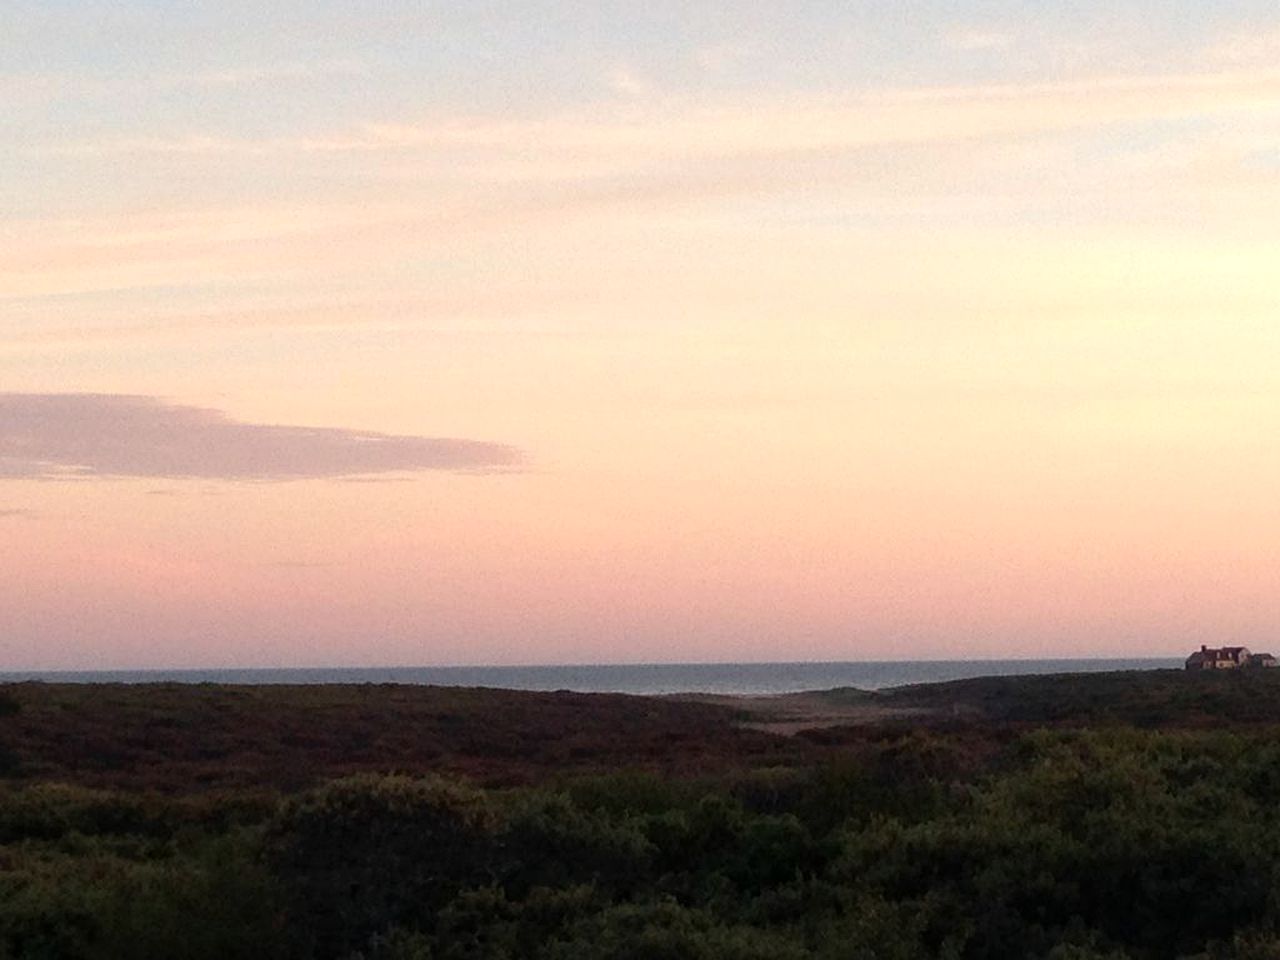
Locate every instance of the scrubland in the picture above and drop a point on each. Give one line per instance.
(1122, 815)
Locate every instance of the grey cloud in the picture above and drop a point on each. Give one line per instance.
(16, 512)
(86, 436)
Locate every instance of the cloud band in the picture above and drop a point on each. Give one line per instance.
(44, 436)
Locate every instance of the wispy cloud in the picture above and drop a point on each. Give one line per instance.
(50, 436)
(676, 128)
(10, 512)
(436, 183)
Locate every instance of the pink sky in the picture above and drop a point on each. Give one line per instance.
(966, 348)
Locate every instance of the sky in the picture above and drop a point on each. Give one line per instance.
(426, 333)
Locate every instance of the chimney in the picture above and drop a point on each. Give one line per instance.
(1203, 648)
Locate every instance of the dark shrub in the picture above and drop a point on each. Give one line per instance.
(211, 903)
(550, 841)
(363, 855)
(666, 931)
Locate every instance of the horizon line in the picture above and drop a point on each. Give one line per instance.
(576, 666)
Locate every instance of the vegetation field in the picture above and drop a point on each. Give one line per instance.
(1120, 816)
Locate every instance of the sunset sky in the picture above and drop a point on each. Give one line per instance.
(559, 332)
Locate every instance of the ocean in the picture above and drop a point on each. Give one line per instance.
(656, 678)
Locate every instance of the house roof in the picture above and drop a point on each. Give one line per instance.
(1222, 653)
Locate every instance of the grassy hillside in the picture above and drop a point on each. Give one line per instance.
(1148, 698)
(178, 737)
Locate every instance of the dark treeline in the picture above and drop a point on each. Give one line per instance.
(1051, 843)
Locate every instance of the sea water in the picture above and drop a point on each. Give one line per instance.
(651, 678)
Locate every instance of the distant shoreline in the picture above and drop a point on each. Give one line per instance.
(720, 679)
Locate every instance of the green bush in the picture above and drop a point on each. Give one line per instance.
(367, 854)
(213, 903)
(549, 841)
(666, 931)
(1107, 844)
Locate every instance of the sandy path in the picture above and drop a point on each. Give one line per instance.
(790, 713)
